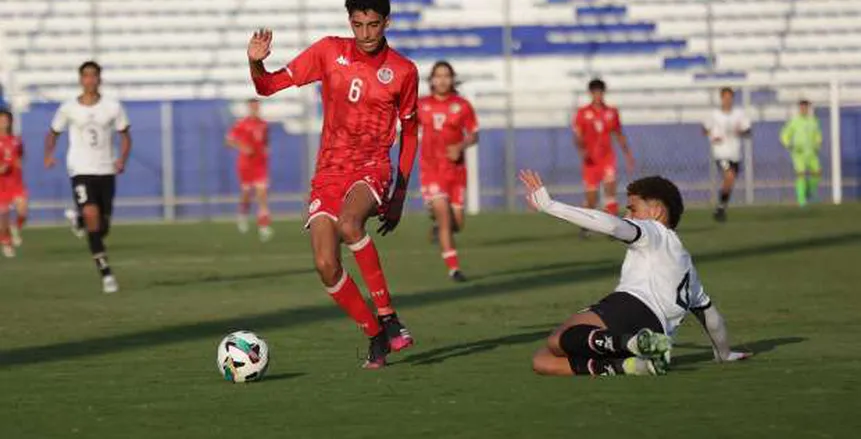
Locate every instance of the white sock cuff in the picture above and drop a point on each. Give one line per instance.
(340, 284)
(450, 254)
(361, 244)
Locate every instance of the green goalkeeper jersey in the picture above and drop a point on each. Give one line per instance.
(802, 134)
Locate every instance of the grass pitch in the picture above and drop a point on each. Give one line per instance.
(141, 363)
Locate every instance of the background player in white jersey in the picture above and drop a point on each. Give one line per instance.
(91, 160)
(725, 129)
(628, 332)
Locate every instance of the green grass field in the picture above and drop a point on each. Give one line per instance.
(141, 364)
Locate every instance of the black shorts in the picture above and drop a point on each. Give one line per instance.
(95, 189)
(728, 165)
(625, 314)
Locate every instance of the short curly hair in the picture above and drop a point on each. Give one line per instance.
(663, 190)
(382, 7)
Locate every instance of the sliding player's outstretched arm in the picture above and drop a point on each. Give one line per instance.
(715, 327)
(304, 69)
(594, 220)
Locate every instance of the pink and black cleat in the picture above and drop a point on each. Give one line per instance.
(399, 336)
(377, 351)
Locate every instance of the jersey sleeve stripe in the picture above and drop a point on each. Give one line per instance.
(639, 232)
(702, 308)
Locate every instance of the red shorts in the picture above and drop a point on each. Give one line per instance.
(11, 191)
(444, 185)
(329, 191)
(595, 173)
(253, 176)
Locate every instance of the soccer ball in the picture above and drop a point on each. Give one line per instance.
(242, 357)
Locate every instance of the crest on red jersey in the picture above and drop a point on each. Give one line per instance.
(385, 75)
(455, 108)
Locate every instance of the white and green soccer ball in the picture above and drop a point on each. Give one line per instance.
(242, 357)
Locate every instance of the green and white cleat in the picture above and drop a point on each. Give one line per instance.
(652, 345)
(637, 366)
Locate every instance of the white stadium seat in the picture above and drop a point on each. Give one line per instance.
(154, 49)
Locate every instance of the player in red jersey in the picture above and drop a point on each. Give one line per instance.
(12, 189)
(367, 88)
(449, 127)
(250, 137)
(595, 125)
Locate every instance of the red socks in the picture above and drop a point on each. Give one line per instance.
(347, 295)
(263, 221)
(451, 261)
(611, 206)
(369, 264)
(20, 221)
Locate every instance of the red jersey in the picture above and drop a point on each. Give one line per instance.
(11, 154)
(364, 96)
(252, 132)
(444, 123)
(595, 125)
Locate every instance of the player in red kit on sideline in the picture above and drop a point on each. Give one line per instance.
(449, 126)
(12, 189)
(367, 88)
(595, 125)
(250, 137)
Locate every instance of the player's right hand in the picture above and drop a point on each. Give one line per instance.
(533, 184)
(260, 45)
(50, 161)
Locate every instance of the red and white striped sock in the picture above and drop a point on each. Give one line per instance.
(263, 221)
(368, 261)
(347, 295)
(611, 206)
(451, 261)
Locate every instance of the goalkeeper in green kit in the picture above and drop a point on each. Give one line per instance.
(802, 136)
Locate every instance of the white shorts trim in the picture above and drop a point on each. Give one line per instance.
(317, 215)
(377, 197)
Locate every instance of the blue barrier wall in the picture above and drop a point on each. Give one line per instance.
(205, 173)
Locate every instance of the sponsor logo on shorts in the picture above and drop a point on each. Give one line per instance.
(314, 206)
(385, 75)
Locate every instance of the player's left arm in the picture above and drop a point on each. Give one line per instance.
(715, 327)
(470, 129)
(817, 135)
(121, 124)
(408, 115)
(622, 140)
(712, 321)
(745, 126)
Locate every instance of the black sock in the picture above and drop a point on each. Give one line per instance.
(597, 366)
(724, 199)
(97, 248)
(80, 221)
(106, 227)
(591, 341)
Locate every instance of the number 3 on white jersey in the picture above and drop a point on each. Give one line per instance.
(355, 90)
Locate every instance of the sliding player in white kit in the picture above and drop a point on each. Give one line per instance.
(628, 332)
(725, 129)
(91, 119)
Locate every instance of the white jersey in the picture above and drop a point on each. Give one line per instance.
(659, 271)
(91, 149)
(723, 131)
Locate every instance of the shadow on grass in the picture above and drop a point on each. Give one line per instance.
(758, 347)
(219, 278)
(444, 353)
(533, 278)
(283, 376)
